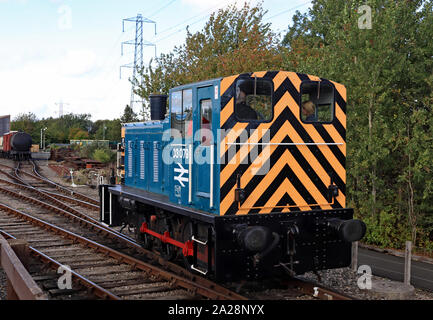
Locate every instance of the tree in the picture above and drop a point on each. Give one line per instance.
(78, 134)
(112, 131)
(27, 123)
(232, 41)
(128, 115)
(387, 129)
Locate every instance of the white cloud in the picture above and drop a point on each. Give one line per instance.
(76, 77)
(78, 63)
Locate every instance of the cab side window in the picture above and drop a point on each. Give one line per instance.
(317, 102)
(187, 112)
(176, 111)
(181, 113)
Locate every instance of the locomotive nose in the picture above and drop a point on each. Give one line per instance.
(348, 230)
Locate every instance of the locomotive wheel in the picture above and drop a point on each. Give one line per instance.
(186, 236)
(167, 251)
(144, 239)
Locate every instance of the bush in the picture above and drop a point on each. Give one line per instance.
(88, 150)
(103, 155)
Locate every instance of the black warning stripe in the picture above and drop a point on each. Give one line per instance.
(267, 194)
(340, 129)
(339, 99)
(315, 150)
(286, 172)
(284, 201)
(309, 170)
(275, 127)
(287, 114)
(230, 91)
(233, 149)
(232, 121)
(303, 77)
(303, 163)
(334, 148)
(307, 139)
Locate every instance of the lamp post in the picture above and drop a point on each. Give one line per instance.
(43, 131)
(105, 128)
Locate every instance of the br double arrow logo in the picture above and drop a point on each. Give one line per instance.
(181, 171)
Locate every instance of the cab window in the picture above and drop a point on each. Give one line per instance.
(253, 100)
(176, 110)
(317, 102)
(181, 112)
(187, 112)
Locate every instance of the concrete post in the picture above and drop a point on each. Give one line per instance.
(355, 256)
(407, 262)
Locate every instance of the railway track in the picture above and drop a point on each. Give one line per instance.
(88, 227)
(109, 273)
(37, 180)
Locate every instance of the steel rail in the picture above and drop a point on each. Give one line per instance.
(175, 280)
(129, 242)
(55, 265)
(80, 218)
(45, 192)
(57, 186)
(48, 197)
(62, 188)
(317, 290)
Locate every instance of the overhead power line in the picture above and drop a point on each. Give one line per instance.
(288, 10)
(162, 8)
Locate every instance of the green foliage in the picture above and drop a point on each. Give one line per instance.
(103, 155)
(128, 115)
(78, 134)
(389, 123)
(388, 71)
(87, 151)
(232, 41)
(391, 232)
(68, 127)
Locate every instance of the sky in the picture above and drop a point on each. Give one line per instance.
(69, 51)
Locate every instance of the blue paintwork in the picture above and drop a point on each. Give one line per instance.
(146, 142)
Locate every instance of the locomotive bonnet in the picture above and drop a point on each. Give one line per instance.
(236, 181)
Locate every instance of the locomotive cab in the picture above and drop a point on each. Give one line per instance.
(243, 179)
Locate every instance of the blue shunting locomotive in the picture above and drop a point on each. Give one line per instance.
(240, 180)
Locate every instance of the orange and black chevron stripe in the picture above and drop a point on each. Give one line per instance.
(303, 159)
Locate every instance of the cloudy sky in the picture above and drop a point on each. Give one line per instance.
(69, 51)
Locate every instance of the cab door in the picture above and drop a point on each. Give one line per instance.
(204, 148)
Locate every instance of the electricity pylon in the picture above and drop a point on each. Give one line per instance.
(139, 43)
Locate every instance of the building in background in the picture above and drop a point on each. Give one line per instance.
(5, 124)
